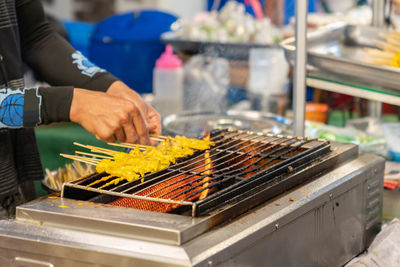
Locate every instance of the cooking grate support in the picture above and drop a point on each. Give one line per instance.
(240, 162)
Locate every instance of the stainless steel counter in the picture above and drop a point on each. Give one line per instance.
(324, 222)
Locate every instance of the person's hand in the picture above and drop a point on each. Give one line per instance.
(150, 115)
(109, 118)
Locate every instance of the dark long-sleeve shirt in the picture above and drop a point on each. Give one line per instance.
(50, 56)
(26, 36)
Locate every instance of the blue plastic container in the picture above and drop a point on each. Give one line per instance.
(128, 45)
(79, 34)
(395, 155)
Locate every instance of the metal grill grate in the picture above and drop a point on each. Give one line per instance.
(239, 163)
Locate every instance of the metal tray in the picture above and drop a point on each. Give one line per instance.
(233, 51)
(193, 124)
(339, 49)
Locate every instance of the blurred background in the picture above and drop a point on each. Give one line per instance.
(224, 67)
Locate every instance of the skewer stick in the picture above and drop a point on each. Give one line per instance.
(392, 35)
(103, 152)
(379, 53)
(127, 145)
(81, 159)
(159, 136)
(386, 46)
(393, 41)
(78, 167)
(157, 139)
(382, 61)
(97, 149)
(51, 179)
(93, 155)
(81, 145)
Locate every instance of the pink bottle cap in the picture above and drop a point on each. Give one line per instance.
(168, 60)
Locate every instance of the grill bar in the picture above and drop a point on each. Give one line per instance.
(221, 171)
(239, 162)
(243, 186)
(208, 169)
(197, 160)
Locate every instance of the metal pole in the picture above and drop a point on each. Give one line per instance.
(378, 20)
(299, 83)
(378, 13)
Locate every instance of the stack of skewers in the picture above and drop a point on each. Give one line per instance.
(388, 50)
(55, 179)
(140, 160)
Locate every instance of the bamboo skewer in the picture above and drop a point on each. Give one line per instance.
(394, 33)
(379, 53)
(381, 62)
(97, 149)
(93, 155)
(386, 46)
(157, 139)
(127, 145)
(81, 159)
(159, 136)
(390, 35)
(387, 49)
(51, 179)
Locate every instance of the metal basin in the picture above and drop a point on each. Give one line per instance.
(194, 124)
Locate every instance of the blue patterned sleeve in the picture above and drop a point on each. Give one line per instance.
(20, 108)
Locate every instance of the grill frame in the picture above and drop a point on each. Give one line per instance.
(168, 228)
(277, 174)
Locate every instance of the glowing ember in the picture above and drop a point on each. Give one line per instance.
(207, 168)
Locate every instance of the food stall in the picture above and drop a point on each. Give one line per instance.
(301, 193)
(256, 195)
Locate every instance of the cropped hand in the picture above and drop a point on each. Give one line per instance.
(109, 118)
(150, 115)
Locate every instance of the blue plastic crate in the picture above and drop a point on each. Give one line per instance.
(79, 34)
(128, 45)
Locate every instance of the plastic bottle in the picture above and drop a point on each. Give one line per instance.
(168, 83)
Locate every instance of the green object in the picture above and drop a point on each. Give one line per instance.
(339, 118)
(390, 118)
(367, 143)
(53, 140)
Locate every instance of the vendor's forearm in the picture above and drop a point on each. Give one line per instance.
(53, 58)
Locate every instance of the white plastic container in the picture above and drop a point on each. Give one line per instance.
(392, 135)
(168, 83)
(268, 72)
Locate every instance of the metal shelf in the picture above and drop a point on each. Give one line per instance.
(347, 86)
(300, 79)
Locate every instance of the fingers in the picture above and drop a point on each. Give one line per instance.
(140, 126)
(155, 120)
(147, 119)
(110, 118)
(130, 131)
(104, 132)
(120, 135)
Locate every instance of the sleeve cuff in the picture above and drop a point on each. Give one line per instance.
(100, 82)
(56, 103)
(32, 107)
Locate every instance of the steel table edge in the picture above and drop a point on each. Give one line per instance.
(277, 220)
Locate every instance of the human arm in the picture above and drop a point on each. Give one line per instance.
(56, 62)
(108, 118)
(52, 58)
